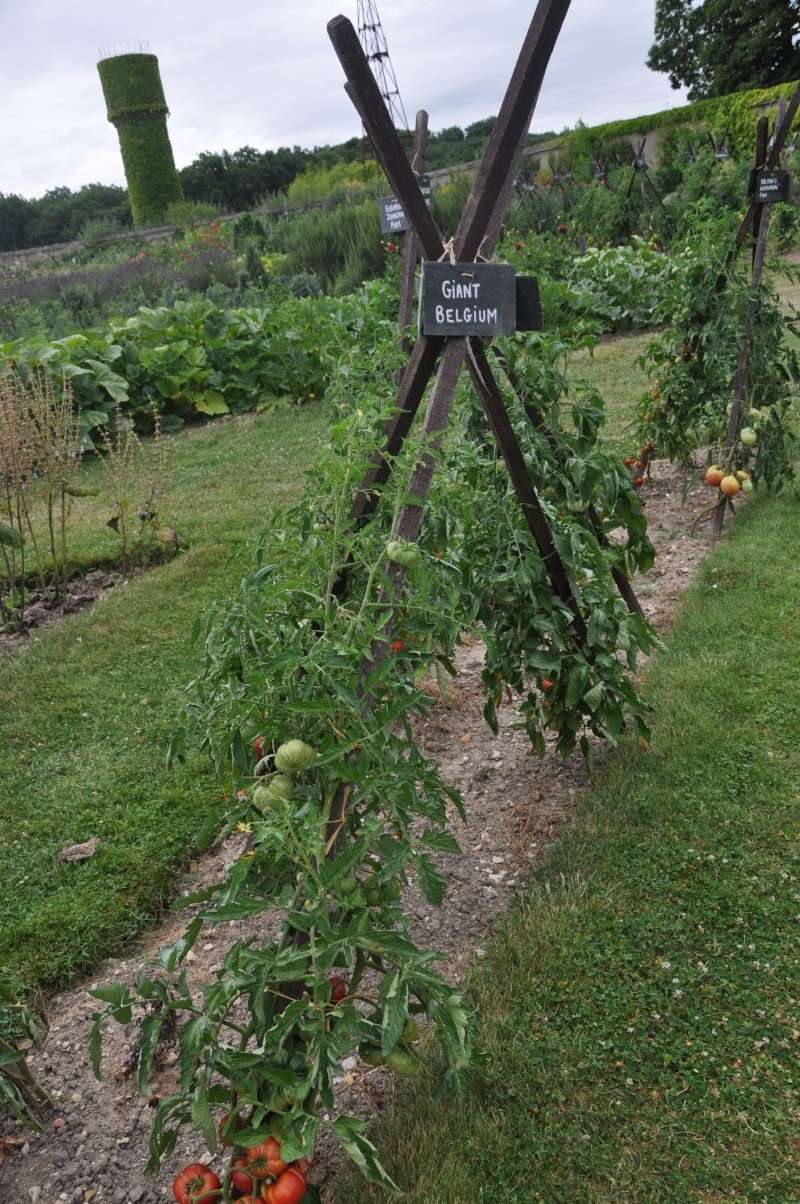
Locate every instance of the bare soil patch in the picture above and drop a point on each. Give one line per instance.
(96, 1147)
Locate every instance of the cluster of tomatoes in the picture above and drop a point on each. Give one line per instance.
(637, 465)
(729, 483)
(258, 1176)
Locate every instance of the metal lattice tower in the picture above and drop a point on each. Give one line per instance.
(373, 39)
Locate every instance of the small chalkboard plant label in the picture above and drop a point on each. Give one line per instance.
(769, 187)
(462, 299)
(392, 214)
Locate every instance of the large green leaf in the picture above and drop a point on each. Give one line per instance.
(212, 403)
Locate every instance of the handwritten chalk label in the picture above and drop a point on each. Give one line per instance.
(770, 187)
(392, 214)
(460, 299)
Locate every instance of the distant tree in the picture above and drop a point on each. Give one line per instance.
(721, 46)
(14, 213)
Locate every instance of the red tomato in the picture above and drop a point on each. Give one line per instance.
(196, 1184)
(547, 684)
(265, 1159)
(258, 746)
(639, 481)
(288, 1189)
(338, 988)
(397, 645)
(241, 1180)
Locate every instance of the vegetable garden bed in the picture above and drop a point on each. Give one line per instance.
(516, 809)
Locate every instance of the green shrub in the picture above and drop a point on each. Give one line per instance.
(189, 213)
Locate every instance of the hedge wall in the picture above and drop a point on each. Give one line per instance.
(733, 117)
(137, 106)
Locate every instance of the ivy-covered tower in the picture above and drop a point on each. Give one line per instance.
(136, 105)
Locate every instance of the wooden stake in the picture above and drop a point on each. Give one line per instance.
(761, 222)
(411, 249)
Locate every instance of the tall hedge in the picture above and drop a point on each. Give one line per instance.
(136, 105)
(732, 117)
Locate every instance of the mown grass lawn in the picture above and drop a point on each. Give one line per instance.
(85, 710)
(639, 1009)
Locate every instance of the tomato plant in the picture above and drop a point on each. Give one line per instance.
(21, 1095)
(694, 360)
(335, 804)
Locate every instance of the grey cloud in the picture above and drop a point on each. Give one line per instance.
(265, 74)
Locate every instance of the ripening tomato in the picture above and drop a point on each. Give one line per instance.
(714, 475)
(196, 1184)
(289, 1188)
(265, 1159)
(241, 1179)
(729, 486)
(338, 988)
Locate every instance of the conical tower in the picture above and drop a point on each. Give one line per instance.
(373, 39)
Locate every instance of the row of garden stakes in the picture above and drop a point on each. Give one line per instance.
(755, 223)
(641, 171)
(475, 238)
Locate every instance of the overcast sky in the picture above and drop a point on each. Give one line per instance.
(263, 73)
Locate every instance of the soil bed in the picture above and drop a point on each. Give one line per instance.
(96, 1144)
(42, 609)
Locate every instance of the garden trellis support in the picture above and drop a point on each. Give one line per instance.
(389, 151)
(760, 223)
(771, 161)
(477, 232)
(411, 248)
(641, 170)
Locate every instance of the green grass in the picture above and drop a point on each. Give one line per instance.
(612, 368)
(639, 1009)
(85, 711)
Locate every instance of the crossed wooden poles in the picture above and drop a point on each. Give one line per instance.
(475, 238)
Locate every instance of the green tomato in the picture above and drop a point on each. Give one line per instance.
(265, 799)
(400, 551)
(372, 1055)
(294, 757)
(348, 884)
(748, 436)
(403, 1061)
(281, 785)
(410, 1032)
(747, 487)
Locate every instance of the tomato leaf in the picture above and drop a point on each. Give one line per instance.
(431, 881)
(360, 1149)
(148, 1042)
(394, 997)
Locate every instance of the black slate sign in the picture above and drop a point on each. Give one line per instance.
(460, 299)
(529, 304)
(768, 187)
(393, 218)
